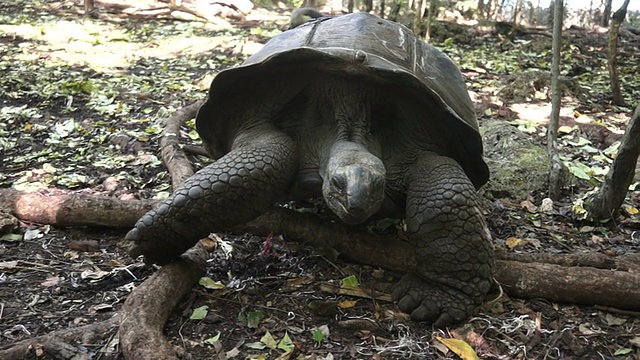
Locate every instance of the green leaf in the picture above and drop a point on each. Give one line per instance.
(622, 351)
(579, 170)
(199, 313)
(253, 318)
(350, 281)
(318, 336)
(285, 343)
(209, 283)
(268, 340)
(11, 237)
(212, 339)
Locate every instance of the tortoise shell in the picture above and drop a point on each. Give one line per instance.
(425, 97)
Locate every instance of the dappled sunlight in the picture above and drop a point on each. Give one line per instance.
(104, 46)
(537, 113)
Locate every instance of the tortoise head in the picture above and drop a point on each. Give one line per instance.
(353, 182)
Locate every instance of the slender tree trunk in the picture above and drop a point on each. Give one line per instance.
(417, 20)
(517, 11)
(368, 5)
(488, 9)
(499, 10)
(395, 10)
(607, 13)
(606, 202)
(88, 6)
(614, 30)
(430, 15)
(556, 97)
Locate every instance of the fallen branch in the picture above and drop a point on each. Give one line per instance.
(62, 208)
(626, 262)
(569, 284)
(567, 278)
(61, 344)
(179, 166)
(169, 11)
(146, 310)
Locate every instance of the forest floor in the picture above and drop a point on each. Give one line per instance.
(82, 101)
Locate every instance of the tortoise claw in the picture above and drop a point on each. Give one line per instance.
(152, 254)
(437, 304)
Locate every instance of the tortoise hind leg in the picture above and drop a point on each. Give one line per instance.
(235, 189)
(453, 245)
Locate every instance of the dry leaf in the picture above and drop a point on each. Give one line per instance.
(347, 304)
(460, 348)
(513, 242)
(529, 206)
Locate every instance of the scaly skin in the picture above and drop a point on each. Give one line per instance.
(235, 189)
(454, 253)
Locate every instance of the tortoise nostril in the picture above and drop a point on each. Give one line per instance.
(338, 184)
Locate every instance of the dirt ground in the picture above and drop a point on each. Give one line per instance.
(117, 83)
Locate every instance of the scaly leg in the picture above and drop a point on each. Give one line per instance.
(235, 189)
(453, 244)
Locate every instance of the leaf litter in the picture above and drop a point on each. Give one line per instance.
(82, 103)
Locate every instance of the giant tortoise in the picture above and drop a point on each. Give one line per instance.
(357, 110)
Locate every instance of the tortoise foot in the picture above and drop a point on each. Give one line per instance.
(433, 303)
(155, 252)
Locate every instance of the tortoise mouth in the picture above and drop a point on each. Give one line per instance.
(355, 193)
(351, 218)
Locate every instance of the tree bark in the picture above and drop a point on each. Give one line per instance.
(146, 310)
(555, 168)
(614, 30)
(430, 16)
(179, 167)
(515, 22)
(60, 208)
(606, 13)
(559, 283)
(607, 201)
(417, 19)
(54, 343)
(88, 6)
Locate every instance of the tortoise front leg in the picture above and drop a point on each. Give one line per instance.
(235, 189)
(453, 245)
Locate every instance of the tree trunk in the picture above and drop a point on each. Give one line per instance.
(606, 13)
(555, 169)
(88, 6)
(499, 10)
(368, 5)
(517, 12)
(430, 15)
(395, 10)
(417, 20)
(607, 201)
(147, 309)
(488, 9)
(614, 30)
